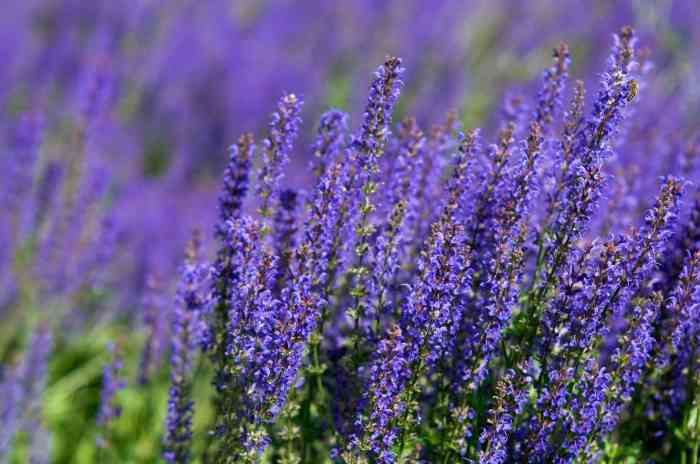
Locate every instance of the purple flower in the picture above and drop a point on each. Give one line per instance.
(19, 164)
(391, 246)
(686, 308)
(686, 241)
(22, 390)
(425, 332)
(511, 395)
(592, 145)
(365, 151)
(285, 231)
(111, 384)
(607, 336)
(383, 94)
(155, 318)
(676, 356)
(247, 379)
(554, 80)
(186, 337)
(231, 198)
(235, 183)
(276, 150)
(563, 153)
(499, 250)
(329, 140)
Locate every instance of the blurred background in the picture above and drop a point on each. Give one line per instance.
(116, 117)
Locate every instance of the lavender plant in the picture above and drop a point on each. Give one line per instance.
(503, 332)
(522, 292)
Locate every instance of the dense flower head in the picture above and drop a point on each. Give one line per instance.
(285, 230)
(235, 183)
(554, 80)
(187, 331)
(383, 94)
(277, 148)
(329, 140)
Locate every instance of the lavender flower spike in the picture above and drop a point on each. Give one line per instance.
(330, 137)
(187, 331)
(22, 390)
(366, 151)
(686, 304)
(554, 79)
(383, 94)
(276, 149)
(111, 384)
(285, 232)
(235, 182)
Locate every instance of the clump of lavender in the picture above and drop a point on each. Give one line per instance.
(426, 326)
(436, 294)
(411, 297)
(366, 328)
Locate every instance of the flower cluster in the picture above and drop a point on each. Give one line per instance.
(527, 291)
(501, 331)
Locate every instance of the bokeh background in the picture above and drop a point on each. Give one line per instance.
(115, 119)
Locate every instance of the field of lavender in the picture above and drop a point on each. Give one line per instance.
(267, 231)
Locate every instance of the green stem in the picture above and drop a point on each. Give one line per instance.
(408, 411)
(315, 393)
